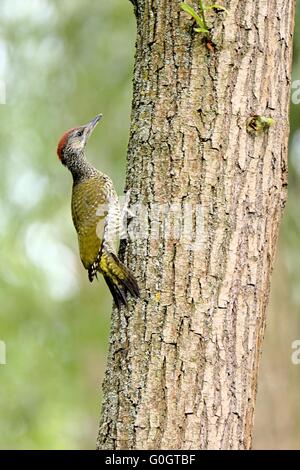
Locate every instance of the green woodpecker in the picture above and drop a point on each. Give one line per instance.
(96, 215)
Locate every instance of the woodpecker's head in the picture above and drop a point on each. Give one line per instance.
(72, 144)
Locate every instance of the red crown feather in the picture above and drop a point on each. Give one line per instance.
(63, 141)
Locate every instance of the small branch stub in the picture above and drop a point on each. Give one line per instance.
(257, 124)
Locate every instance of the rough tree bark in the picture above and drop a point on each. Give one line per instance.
(183, 361)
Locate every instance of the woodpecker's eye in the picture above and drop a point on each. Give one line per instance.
(79, 133)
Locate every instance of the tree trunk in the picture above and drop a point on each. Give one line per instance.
(208, 194)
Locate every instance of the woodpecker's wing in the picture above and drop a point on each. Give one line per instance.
(97, 219)
(90, 207)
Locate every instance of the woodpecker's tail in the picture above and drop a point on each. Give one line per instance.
(118, 278)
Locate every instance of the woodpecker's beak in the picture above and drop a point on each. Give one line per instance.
(92, 124)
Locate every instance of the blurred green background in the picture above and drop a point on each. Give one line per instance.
(64, 61)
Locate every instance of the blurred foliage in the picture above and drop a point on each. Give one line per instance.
(277, 417)
(63, 62)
